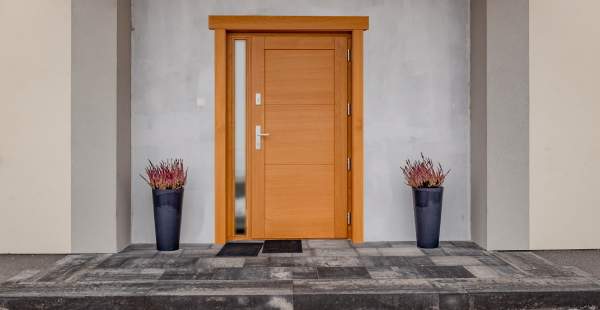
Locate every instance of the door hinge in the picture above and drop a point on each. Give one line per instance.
(349, 163)
(348, 54)
(348, 218)
(349, 110)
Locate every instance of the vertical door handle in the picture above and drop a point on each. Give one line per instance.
(259, 135)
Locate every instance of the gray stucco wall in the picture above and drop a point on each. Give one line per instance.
(500, 123)
(100, 126)
(479, 122)
(508, 124)
(416, 100)
(123, 123)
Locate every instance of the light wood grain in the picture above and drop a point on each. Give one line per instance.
(220, 137)
(299, 77)
(288, 23)
(257, 162)
(357, 137)
(305, 182)
(299, 134)
(341, 137)
(300, 42)
(259, 212)
(299, 200)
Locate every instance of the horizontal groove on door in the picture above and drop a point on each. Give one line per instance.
(299, 134)
(312, 81)
(304, 43)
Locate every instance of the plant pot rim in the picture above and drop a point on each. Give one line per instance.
(428, 188)
(167, 191)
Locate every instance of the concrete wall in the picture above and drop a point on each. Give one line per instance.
(500, 120)
(507, 124)
(94, 129)
(100, 126)
(416, 100)
(478, 105)
(564, 131)
(35, 126)
(123, 198)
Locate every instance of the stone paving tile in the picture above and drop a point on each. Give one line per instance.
(383, 261)
(140, 262)
(338, 261)
(305, 252)
(226, 273)
(493, 272)
(491, 260)
(357, 286)
(210, 252)
(259, 261)
(140, 249)
(369, 300)
(419, 260)
(401, 251)
(220, 262)
(342, 273)
(328, 244)
(403, 244)
(117, 275)
(335, 252)
(444, 272)
(433, 252)
(205, 301)
(196, 246)
(266, 273)
(186, 274)
(455, 260)
(139, 246)
(69, 267)
(377, 244)
(382, 275)
(184, 262)
(304, 272)
(26, 275)
(465, 244)
(116, 261)
(368, 252)
(459, 251)
(534, 265)
(222, 288)
(66, 290)
(407, 272)
(280, 262)
(527, 284)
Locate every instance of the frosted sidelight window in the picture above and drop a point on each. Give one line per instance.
(240, 135)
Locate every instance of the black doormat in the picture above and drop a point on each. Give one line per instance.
(240, 249)
(282, 246)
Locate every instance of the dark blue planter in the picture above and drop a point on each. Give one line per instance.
(167, 218)
(428, 215)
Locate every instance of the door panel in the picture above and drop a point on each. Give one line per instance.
(299, 134)
(299, 201)
(299, 176)
(299, 77)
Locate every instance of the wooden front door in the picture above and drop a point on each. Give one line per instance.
(298, 146)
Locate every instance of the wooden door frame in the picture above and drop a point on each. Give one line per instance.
(354, 25)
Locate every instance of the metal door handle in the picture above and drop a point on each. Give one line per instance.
(259, 135)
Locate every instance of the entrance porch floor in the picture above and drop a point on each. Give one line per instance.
(329, 274)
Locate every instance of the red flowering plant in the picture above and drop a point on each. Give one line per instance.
(167, 174)
(422, 173)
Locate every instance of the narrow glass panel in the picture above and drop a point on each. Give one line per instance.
(240, 136)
